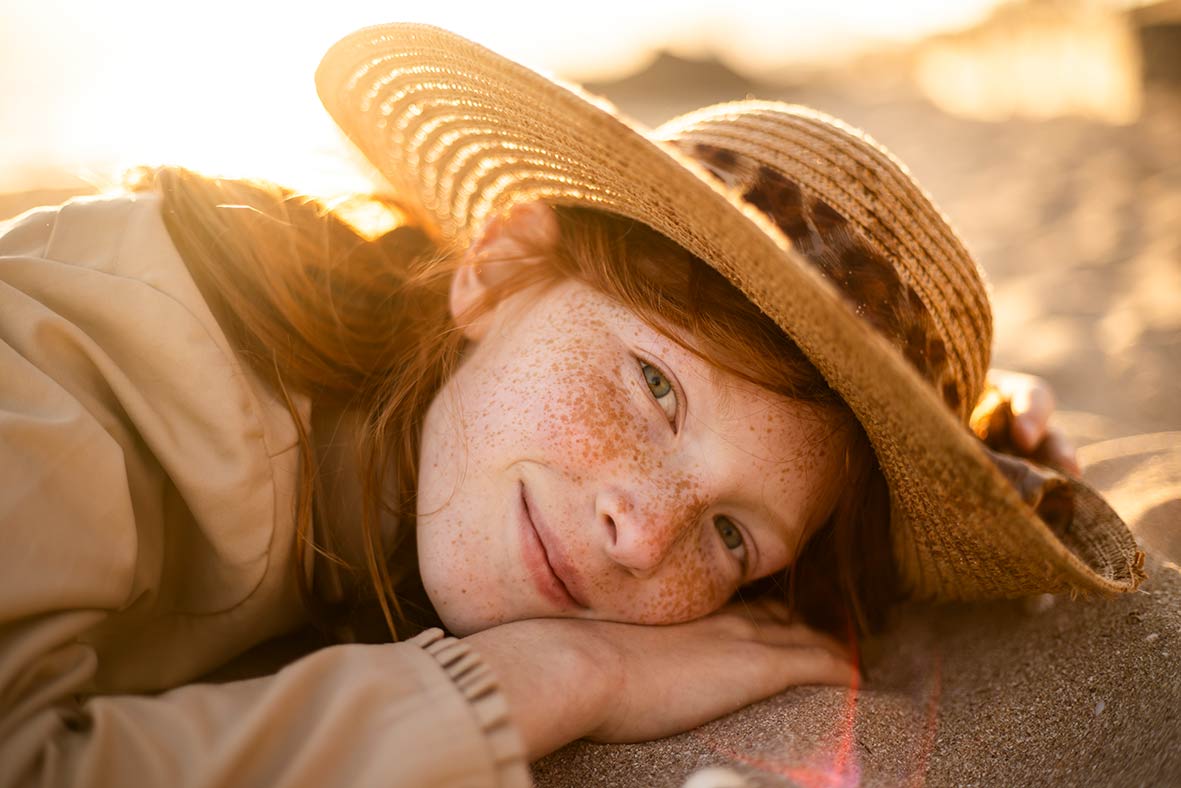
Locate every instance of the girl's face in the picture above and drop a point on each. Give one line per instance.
(579, 463)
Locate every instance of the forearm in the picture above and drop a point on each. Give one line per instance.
(393, 714)
(555, 680)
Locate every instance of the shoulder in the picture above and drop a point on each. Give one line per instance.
(107, 267)
(106, 244)
(119, 234)
(53, 230)
(104, 273)
(107, 324)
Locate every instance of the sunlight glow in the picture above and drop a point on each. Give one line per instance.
(226, 87)
(1048, 61)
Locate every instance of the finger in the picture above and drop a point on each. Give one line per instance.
(769, 670)
(1031, 407)
(797, 634)
(1057, 451)
(819, 666)
(776, 622)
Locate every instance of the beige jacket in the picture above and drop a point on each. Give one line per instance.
(146, 487)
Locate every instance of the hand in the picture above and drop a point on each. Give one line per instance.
(674, 678)
(1031, 401)
(567, 679)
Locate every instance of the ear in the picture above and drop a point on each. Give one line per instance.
(521, 236)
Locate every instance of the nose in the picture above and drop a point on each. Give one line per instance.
(639, 538)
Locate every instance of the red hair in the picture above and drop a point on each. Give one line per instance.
(315, 307)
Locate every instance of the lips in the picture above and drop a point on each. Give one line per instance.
(550, 571)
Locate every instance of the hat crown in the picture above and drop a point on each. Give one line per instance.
(855, 213)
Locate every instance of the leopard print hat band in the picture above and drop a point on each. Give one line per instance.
(910, 277)
(899, 323)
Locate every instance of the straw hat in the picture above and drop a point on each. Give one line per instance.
(902, 334)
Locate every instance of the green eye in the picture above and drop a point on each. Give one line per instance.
(662, 391)
(731, 535)
(657, 382)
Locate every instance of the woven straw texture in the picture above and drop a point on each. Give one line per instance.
(462, 133)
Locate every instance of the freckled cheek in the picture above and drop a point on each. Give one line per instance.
(692, 586)
(589, 423)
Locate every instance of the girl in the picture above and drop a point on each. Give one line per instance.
(609, 406)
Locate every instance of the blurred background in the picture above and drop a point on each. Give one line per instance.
(1049, 132)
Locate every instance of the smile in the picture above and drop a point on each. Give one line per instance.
(539, 560)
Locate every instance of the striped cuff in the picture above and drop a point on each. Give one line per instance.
(480, 687)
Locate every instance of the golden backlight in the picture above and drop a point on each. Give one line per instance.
(226, 86)
(1037, 61)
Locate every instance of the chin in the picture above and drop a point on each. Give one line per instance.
(462, 626)
(457, 613)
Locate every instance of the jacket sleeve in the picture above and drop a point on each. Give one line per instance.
(425, 712)
(76, 555)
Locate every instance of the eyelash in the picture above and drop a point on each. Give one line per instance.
(672, 390)
(744, 547)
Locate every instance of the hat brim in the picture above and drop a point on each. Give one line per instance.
(462, 133)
